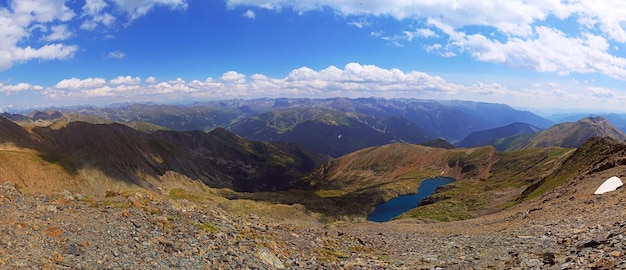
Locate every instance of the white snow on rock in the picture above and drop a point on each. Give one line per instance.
(609, 185)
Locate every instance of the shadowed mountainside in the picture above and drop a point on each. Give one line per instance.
(119, 153)
(487, 137)
(569, 135)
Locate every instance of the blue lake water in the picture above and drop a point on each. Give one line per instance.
(396, 206)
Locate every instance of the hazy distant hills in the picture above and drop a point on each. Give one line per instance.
(448, 120)
(569, 135)
(218, 158)
(327, 131)
(487, 137)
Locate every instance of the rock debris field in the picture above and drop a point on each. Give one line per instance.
(144, 231)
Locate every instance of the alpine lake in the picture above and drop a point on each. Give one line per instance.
(396, 206)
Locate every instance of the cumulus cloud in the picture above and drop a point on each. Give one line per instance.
(75, 83)
(125, 80)
(549, 50)
(19, 87)
(21, 19)
(59, 32)
(233, 77)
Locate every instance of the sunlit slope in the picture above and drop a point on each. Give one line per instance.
(569, 135)
(487, 180)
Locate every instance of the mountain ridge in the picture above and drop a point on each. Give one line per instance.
(569, 135)
(121, 154)
(487, 137)
(450, 120)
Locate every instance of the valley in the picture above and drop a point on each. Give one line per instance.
(288, 183)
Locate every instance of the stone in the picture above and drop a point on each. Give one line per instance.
(270, 259)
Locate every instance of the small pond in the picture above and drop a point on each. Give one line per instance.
(396, 206)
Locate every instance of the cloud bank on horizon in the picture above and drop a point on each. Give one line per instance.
(532, 54)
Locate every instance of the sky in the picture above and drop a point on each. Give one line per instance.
(541, 55)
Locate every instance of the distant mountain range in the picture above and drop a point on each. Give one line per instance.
(334, 126)
(327, 131)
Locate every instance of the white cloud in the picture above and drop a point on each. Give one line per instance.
(19, 87)
(94, 7)
(249, 14)
(116, 55)
(59, 32)
(26, 12)
(150, 80)
(75, 83)
(22, 19)
(233, 77)
(125, 80)
(549, 50)
(105, 19)
(47, 52)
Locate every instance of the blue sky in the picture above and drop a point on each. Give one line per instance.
(545, 56)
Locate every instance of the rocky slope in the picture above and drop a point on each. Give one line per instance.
(567, 228)
(522, 209)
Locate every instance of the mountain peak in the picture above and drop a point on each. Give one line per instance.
(568, 135)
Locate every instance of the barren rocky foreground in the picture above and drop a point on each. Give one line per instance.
(567, 228)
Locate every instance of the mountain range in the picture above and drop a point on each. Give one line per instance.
(333, 127)
(379, 157)
(329, 132)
